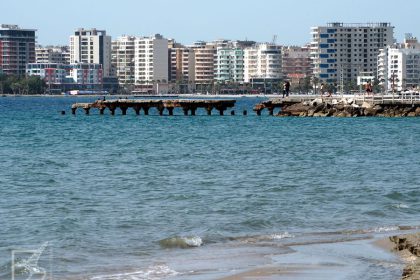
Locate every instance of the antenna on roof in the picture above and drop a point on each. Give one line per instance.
(274, 41)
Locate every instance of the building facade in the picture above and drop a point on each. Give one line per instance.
(399, 66)
(123, 59)
(229, 65)
(91, 46)
(262, 62)
(296, 63)
(204, 64)
(150, 59)
(342, 51)
(181, 63)
(51, 54)
(17, 48)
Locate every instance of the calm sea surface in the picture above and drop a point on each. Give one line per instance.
(122, 197)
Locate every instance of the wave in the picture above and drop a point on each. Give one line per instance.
(153, 272)
(181, 242)
(262, 237)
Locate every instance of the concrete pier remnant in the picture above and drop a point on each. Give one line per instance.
(187, 105)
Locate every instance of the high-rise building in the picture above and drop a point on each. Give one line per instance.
(91, 46)
(343, 51)
(204, 63)
(399, 65)
(123, 59)
(296, 63)
(151, 59)
(181, 65)
(229, 64)
(17, 48)
(51, 54)
(262, 62)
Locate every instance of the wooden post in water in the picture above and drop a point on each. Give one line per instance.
(185, 111)
(170, 110)
(146, 111)
(73, 110)
(193, 109)
(209, 108)
(123, 110)
(87, 109)
(101, 110)
(137, 110)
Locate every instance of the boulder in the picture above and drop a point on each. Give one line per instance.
(417, 111)
(366, 105)
(316, 101)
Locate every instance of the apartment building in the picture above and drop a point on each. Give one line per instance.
(399, 65)
(343, 51)
(204, 63)
(181, 63)
(17, 48)
(91, 46)
(151, 59)
(262, 62)
(52, 54)
(122, 59)
(296, 63)
(229, 65)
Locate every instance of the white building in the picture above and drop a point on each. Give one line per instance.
(399, 65)
(92, 47)
(123, 59)
(229, 64)
(346, 50)
(262, 62)
(151, 59)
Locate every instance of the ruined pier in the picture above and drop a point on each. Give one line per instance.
(187, 106)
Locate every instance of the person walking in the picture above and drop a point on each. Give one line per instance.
(286, 88)
(368, 88)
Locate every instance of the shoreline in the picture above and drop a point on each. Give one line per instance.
(324, 268)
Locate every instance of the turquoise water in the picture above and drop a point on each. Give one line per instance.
(108, 191)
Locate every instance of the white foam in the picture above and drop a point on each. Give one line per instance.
(193, 241)
(401, 205)
(385, 229)
(154, 272)
(281, 235)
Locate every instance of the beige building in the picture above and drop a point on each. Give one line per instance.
(204, 64)
(296, 62)
(52, 54)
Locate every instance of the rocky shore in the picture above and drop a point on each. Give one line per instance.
(348, 108)
(408, 247)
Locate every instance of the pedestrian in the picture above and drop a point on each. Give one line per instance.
(286, 88)
(368, 88)
(322, 89)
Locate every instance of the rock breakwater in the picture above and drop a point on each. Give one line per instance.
(348, 108)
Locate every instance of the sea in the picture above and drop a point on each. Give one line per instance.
(104, 197)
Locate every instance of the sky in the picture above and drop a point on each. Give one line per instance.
(188, 21)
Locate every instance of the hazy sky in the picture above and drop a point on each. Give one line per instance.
(190, 20)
